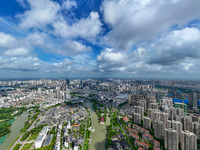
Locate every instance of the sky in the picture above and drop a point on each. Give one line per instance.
(102, 38)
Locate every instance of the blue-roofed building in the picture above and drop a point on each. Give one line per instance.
(186, 101)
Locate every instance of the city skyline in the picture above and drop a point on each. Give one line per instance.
(111, 39)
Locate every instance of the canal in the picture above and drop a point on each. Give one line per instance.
(16, 126)
(99, 136)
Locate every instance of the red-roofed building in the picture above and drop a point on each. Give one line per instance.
(156, 148)
(147, 137)
(141, 144)
(138, 128)
(140, 148)
(134, 136)
(102, 120)
(133, 131)
(156, 143)
(125, 118)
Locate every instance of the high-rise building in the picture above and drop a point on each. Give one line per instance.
(158, 95)
(187, 123)
(188, 141)
(137, 118)
(176, 125)
(67, 82)
(39, 90)
(139, 110)
(193, 99)
(146, 122)
(196, 129)
(130, 99)
(171, 139)
(149, 100)
(154, 106)
(158, 129)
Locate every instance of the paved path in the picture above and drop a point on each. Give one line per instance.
(123, 128)
(22, 142)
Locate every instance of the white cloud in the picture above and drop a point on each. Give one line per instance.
(20, 63)
(41, 12)
(108, 60)
(110, 56)
(87, 28)
(72, 48)
(17, 52)
(68, 4)
(37, 39)
(6, 40)
(133, 21)
(77, 46)
(177, 46)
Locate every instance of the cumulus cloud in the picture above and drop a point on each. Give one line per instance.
(41, 13)
(72, 48)
(136, 63)
(48, 12)
(6, 40)
(87, 28)
(63, 66)
(134, 21)
(108, 60)
(20, 63)
(17, 52)
(177, 46)
(148, 37)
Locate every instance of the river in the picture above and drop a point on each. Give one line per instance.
(99, 136)
(16, 126)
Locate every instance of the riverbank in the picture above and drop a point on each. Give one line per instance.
(16, 126)
(99, 136)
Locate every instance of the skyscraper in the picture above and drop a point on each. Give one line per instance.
(188, 141)
(67, 82)
(147, 122)
(171, 139)
(158, 128)
(193, 99)
(130, 99)
(137, 118)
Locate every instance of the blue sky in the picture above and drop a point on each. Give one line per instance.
(110, 38)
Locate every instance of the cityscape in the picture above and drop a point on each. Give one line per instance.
(113, 114)
(99, 74)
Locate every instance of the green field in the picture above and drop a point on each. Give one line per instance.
(33, 136)
(17, 147)
(27, 146)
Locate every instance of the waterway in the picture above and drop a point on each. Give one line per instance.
(16, 126)
(99, 136)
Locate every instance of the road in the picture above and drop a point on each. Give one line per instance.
(123, 128)
(23, 142)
